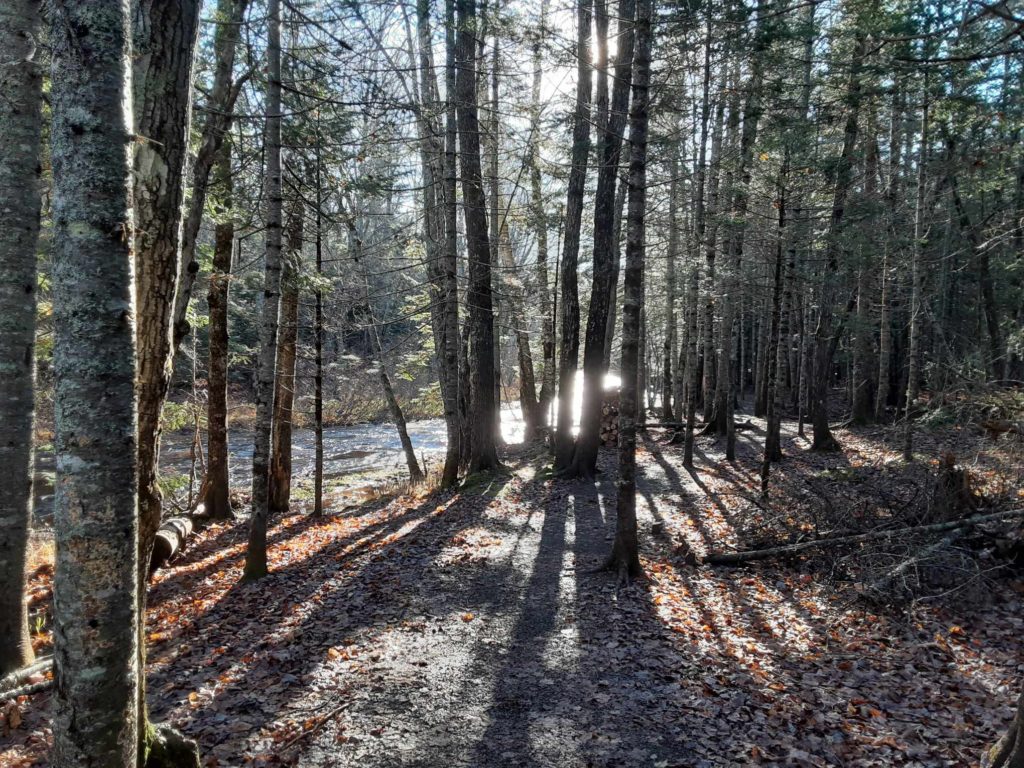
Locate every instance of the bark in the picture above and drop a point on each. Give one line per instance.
(217, 117)
(710, 245)
(863, 363)
(985, 282)
(256, 555)
(669, 342)
(773, 437)
(825, 334)
(21, 81)
(584, 463)
(625, 557)
(540, 224)
(1008, 752)
(483, 453)
(284, 383)
(96, 606)
(725, 390)
(164, 43)
(529, 403)
(216, 500)
(318, 345)
(914, 340)
(570, 328)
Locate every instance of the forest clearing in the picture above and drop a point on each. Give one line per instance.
(556, 383)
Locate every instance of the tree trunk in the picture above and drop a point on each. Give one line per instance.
(218, 116)
(164, 41)
(256, 555)
(584, 463)
(1008, 752)
(773, 437)
(216, 500)
(570, 330)
(284, 383)
(625, 556)
(914, 340)
(540, 225)
(529, 403)
(483, 453)
(826, 336)
(669, 342)
(96, 605)
(318, 344)
(21, 82)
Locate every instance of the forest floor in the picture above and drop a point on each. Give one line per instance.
(472, 628)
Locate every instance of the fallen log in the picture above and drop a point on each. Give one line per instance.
(170, 540)
(749, 555)
(12, 680)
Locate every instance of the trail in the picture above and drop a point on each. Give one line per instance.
(471, 629)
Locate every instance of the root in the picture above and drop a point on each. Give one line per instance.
(170, 748)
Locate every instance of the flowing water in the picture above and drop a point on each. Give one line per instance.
(349, 452)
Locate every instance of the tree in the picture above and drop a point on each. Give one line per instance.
(256, 554)
(285, 381)
(483, 448)
(21, 82)
(625, 556)
(218, 115)
(96, 606)
(217, 496)
(584, 462)
(570, 327)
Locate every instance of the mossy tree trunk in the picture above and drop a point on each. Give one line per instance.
(96, 584)
(21, 83)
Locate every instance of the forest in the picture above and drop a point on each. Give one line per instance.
(569, 383)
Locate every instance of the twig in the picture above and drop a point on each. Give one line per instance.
(319, 724)
(735, 558)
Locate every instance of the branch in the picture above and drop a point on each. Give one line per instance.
(746, 556)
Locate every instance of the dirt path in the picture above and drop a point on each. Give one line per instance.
(471, 629)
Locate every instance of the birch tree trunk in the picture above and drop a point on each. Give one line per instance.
(96, 584)
(21, 82)
(256, 555)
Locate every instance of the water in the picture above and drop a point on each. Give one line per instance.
(348, 453)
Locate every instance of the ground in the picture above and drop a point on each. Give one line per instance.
(473, 628)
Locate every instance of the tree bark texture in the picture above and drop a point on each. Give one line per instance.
(584, 462)
(96, 605)
(218, 114)
(625, 557)
(483, 440)
(570, 319)
(21, 83)
(284, 382)
(256, 555)
(216, 500)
